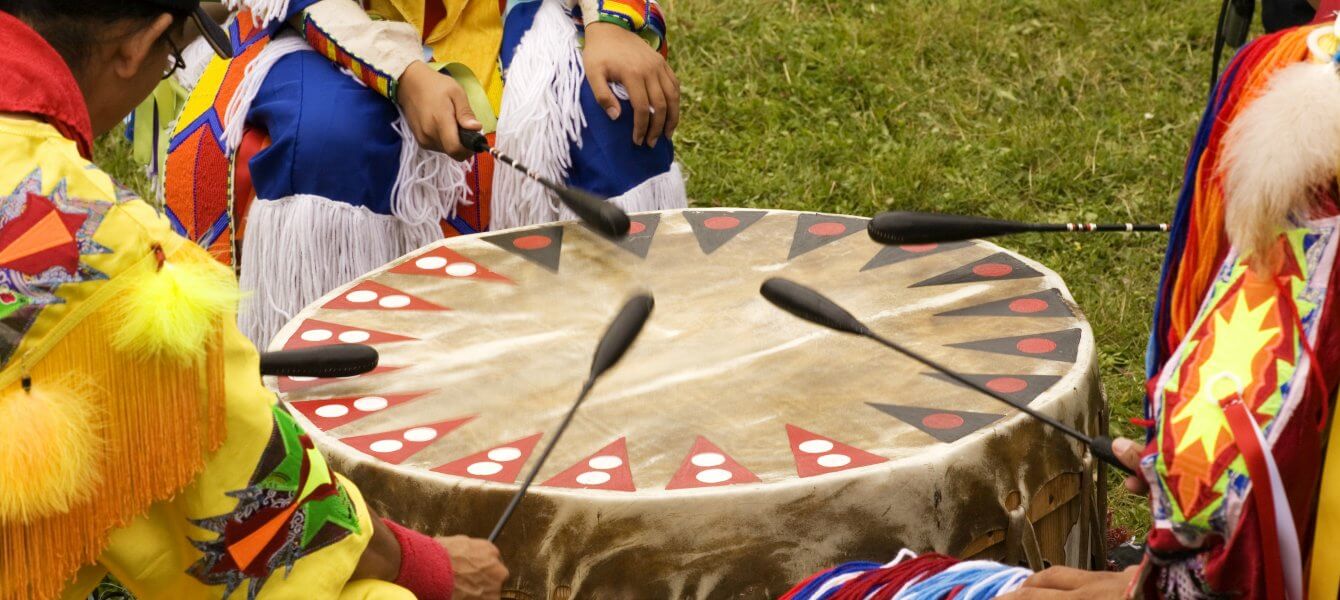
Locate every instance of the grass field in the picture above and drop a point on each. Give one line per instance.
(1067, 110)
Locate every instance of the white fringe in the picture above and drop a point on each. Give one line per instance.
(1278, 150)
(662, 192)
(300, 247)
(234, 118)
(263, 12)
(430, 185)
(541, 117)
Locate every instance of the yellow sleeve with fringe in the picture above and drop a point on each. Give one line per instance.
(135, 434)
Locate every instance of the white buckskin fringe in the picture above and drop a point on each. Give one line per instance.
(430, 185)
(541, 117)
(662, 192)
(300, 247)
(263, 12)
(234, 118)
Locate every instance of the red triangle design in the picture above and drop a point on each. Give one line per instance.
(617, 477)
(293, 384)
(707, 466)
(321, 333)
(396, 446)
(370, 295)
(499, 463)
(439, 261)
(813, 451)
(329, 413)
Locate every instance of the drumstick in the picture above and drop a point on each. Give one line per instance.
(812, 306)
(595, 210)
(338, 360)
(904, 227)
(620, 335)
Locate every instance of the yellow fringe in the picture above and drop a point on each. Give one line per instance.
(160, 420)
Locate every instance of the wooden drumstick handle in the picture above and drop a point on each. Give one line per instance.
(906, 227)
(613, 345)
(814, 307)
(593, 210)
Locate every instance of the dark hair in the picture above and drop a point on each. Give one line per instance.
(75, 27)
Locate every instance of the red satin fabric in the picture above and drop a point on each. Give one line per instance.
(35, 80)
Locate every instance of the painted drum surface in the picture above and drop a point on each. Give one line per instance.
(736, 449)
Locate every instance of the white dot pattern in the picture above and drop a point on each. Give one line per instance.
(354, 337)
(816, 446)
(385, 446)
(332, 411)
(504, 454)
(361, 296)
(708, 459)
(420, 434)
(484, 468)
(462, 269)
(431, 263)
(713, 476)
(370, 403)
(605, 463)
(316, 335)
(396, 301)
(833, 461)
(593, 478)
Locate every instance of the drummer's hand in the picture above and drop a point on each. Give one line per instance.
(615, 55)
(434, 106)
(1060, 583)
(478, 568)
(1129, 452)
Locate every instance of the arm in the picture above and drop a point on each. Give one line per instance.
(617, 51)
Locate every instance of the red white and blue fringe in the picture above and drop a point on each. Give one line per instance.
(911, 577)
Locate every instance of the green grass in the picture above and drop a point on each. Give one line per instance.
(1035, 109)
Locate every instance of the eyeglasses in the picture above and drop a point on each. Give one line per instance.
(175, 60)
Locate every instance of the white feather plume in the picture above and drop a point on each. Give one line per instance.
(1278, 151)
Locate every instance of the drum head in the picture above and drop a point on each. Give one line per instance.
(485, 342)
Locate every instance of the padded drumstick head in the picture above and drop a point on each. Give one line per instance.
(903, 227)
(621, 333)
(810, 305)
(339, 360)
(596, 211)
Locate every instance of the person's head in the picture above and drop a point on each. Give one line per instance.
(118, 50)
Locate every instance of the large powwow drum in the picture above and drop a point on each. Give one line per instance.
(736, 449)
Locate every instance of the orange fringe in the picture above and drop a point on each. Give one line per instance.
(148, 404)
(1207, 245)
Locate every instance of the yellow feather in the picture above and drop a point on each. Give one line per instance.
(50, 442)
(169, 312)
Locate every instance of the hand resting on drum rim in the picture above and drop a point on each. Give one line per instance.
(414, 561)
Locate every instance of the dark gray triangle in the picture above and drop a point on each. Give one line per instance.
(528, 244)
(1060, 346)
(640, 243)
(1047, 303)
(948, 426)
(997, 267)
(889, 255)
(816, 230)
(713, 228)
(1020, 388)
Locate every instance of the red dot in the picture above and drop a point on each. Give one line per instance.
(1028, 305)
(1007, 385)
(942, 421)
(919, 248)
(993, 270)
(636, 228)
(532, 242)
(828, 229)
(1036, 346)
(722, 223)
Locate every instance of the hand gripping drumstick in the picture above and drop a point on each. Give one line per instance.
(596, 211)
(812, 306)
(620, 335)
(338, 360)
(902, 227)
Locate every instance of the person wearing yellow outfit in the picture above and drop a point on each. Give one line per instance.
(136, 438)
(328, 145)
